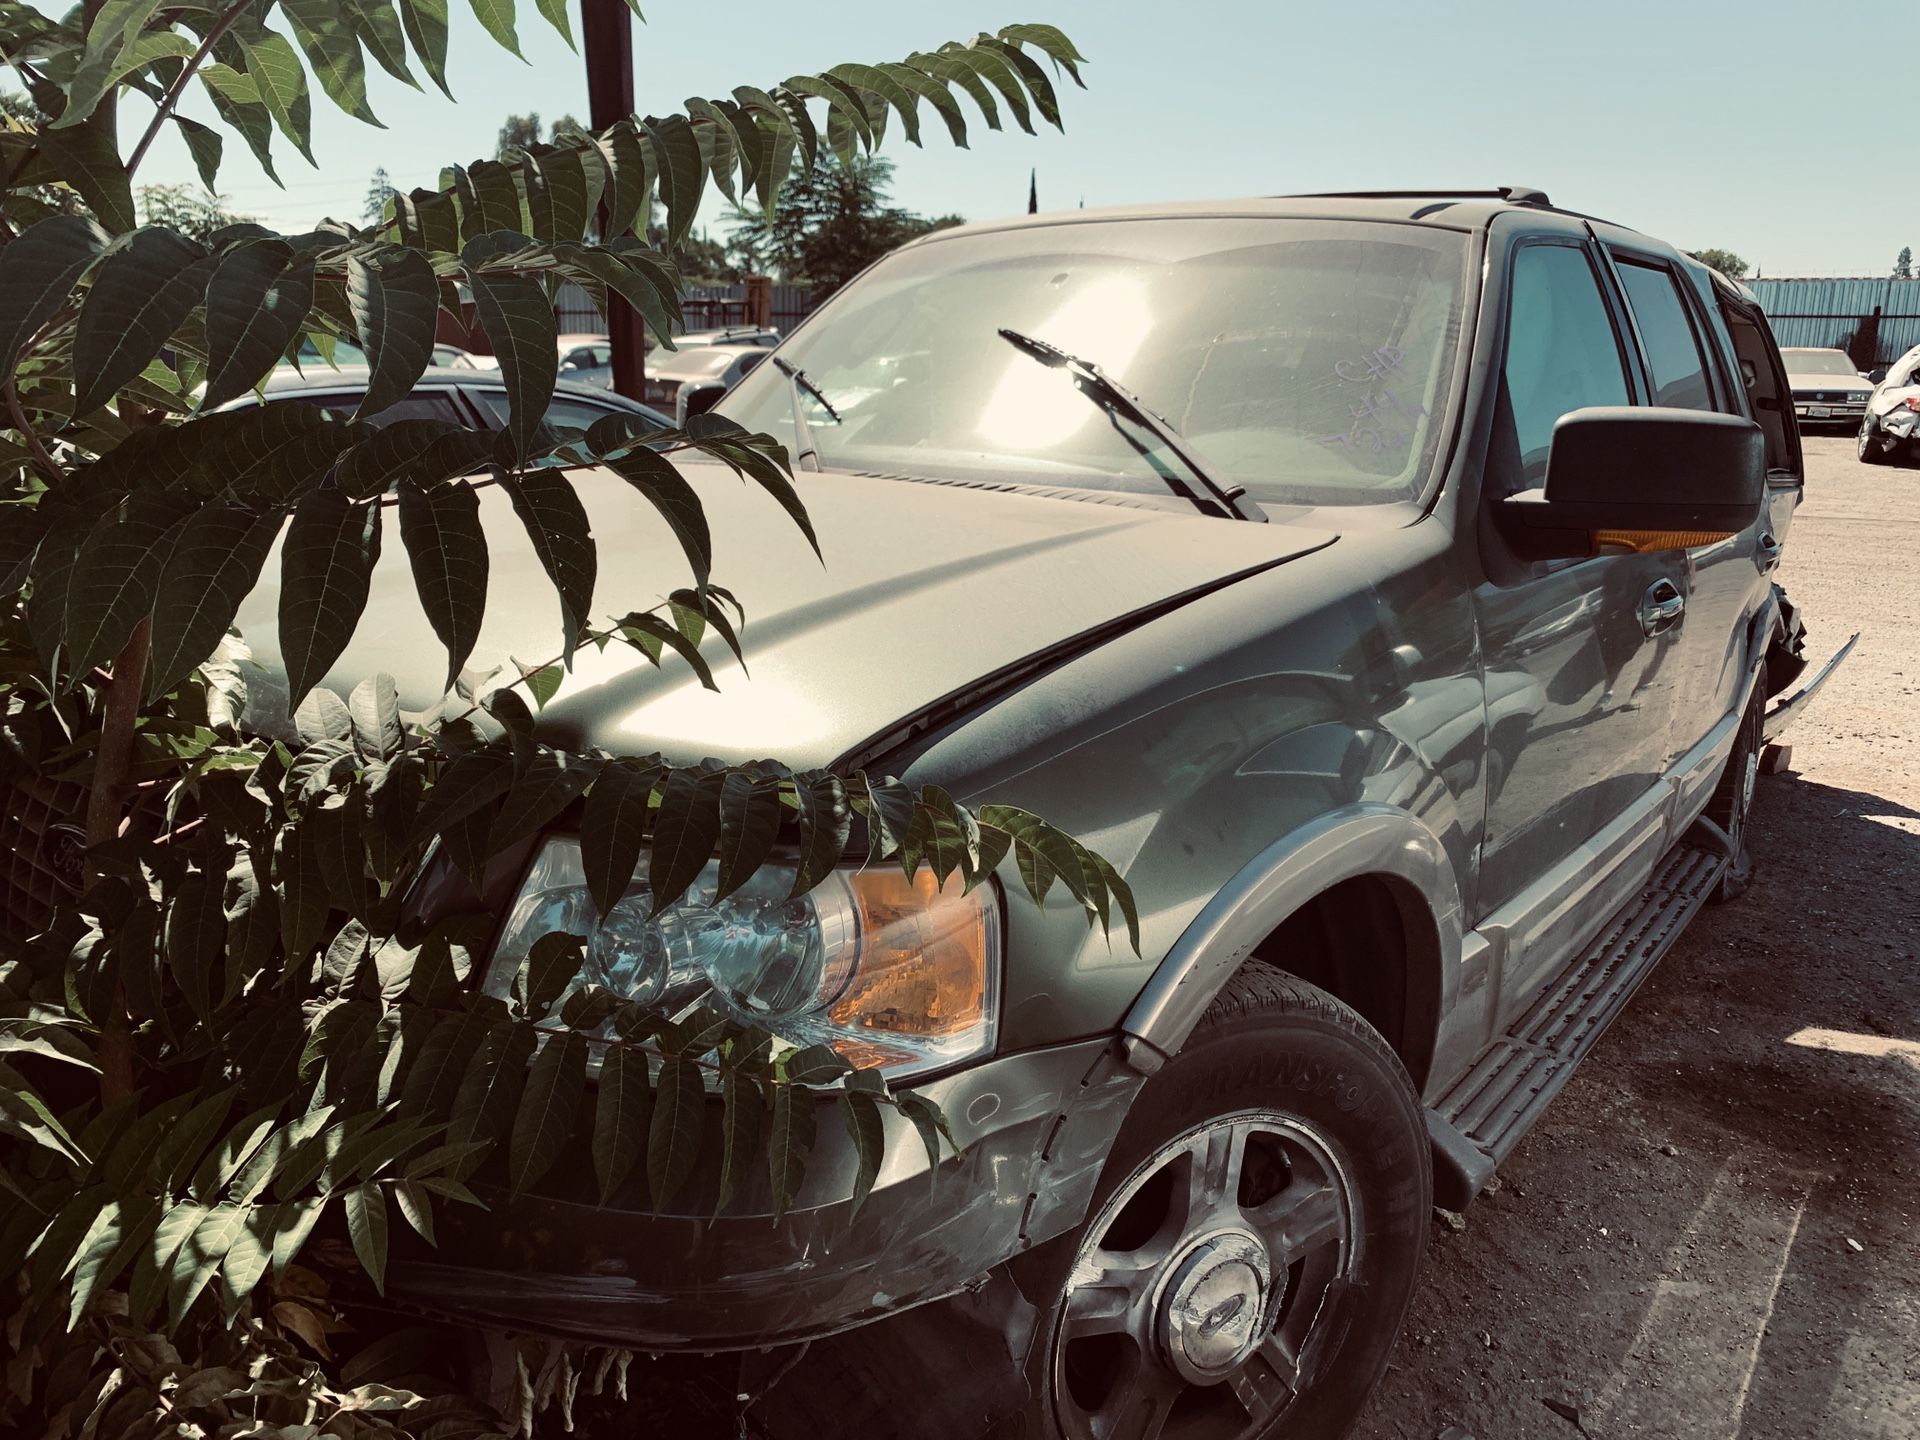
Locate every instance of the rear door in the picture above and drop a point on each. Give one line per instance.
(1767, 397)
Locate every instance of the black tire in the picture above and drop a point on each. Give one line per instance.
(1269, 1048)
(1868, 445)
(1731, 807)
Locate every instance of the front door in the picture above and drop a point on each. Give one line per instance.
(1578, 654)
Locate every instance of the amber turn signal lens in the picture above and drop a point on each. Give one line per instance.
(1644, 542)
(925, 955)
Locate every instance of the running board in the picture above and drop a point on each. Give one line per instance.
(1516, 1077)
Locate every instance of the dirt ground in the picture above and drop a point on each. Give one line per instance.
(1712, 1232)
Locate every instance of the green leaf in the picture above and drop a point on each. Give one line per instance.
(196, 937)
(326, 567)
(447, 546)
(682, 173)
(1052, 42)
(742, 1109)
(215, 561)
(498, 199)
(490, 1090)
(552, 963)
(206, 146)
(555, 12)
(613, 827)
(200, 1255)
(116, 573)
(673, 1144)
(138, 299)
(869, 1135)
(434, 1078)
(37, 273)
(87, 157)
(420, 450)
(249, 1255)
(518, 320)
(279, 84)
(395, 300)
(684, 833)
(236, 99)
(826, 822)
(326, 35)
(629, 178)
(425, 22)
(257, 301)
(109, 1249)
(997, 73)
(378, 28)
(153, 1263)
(548, 1108)
(655, 477)
(496, 17)
(98, 74)
(790, 1143)
(367, 1228)
(621, 1115)
(416, 1204)
(557, 524)
(471, 783)
(296, 1222)
(750, 812)
(557, 190)
(1030, 75)
(931, 1124)
(374, 708)
(936, 94)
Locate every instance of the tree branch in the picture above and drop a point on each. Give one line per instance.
(228, 18)
(17, 413)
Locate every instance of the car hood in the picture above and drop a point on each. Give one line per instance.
(1827, 382)
(924, 590)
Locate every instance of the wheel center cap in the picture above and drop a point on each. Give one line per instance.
(1213, 1307)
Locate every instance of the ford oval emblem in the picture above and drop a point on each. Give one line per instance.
(66, 852)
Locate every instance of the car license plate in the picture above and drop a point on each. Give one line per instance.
(1818, 412)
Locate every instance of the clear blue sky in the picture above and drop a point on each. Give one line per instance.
(1691, 121)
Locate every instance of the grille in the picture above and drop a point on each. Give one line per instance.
(1830, 397)
(30, 878)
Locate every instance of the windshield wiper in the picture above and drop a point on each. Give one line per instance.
(1110, 395)
(804, 450)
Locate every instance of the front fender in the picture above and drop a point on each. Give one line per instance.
(1367, 838)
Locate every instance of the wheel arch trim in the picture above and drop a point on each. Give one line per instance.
(1365, 839)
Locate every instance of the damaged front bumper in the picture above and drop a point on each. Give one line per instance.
(1789, 707)
(1033, 1129)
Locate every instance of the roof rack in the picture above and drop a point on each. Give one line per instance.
(1514, 194)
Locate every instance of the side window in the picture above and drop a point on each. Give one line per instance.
(1673, 352)
(1562, 353)
(1764, 382)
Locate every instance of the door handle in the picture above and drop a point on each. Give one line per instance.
(1661, 607)
(1769, 550)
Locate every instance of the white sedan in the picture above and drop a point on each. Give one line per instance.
(1827, 389)
(1892, 422)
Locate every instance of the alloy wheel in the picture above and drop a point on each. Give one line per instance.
(1203, 1295)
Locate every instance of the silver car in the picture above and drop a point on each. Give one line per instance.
(1827, 388)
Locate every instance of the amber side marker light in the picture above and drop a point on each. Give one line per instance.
(925, 955)
(1643, 542)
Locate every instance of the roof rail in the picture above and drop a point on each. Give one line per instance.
(1515, 194)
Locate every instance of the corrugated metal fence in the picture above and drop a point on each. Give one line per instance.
(1830, 312)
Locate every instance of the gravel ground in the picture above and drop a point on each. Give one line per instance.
(1712, 1232)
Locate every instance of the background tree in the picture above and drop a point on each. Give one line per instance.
(223, 1032)
(1725, 261)
(187, 209)
(1903, 263)
(833, 220)
(517, 132)
(379, 197)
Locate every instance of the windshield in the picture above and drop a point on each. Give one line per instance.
(696, 362)
(1818, 362)
(1305, 360)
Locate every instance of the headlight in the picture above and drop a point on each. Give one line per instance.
(896, 973)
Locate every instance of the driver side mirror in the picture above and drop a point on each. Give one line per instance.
(697, 400)
(1641, 478)
(1877, 374)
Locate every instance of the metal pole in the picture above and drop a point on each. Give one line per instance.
(606, 39)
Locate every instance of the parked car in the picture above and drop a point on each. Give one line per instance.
(668, 372)
(588, 359)
(1891, 425)
(1382, 583)
(1827, 388)
(765, 336)
(464, 395)
(346, 353)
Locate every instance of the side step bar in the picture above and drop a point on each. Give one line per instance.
(1477, 1123)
